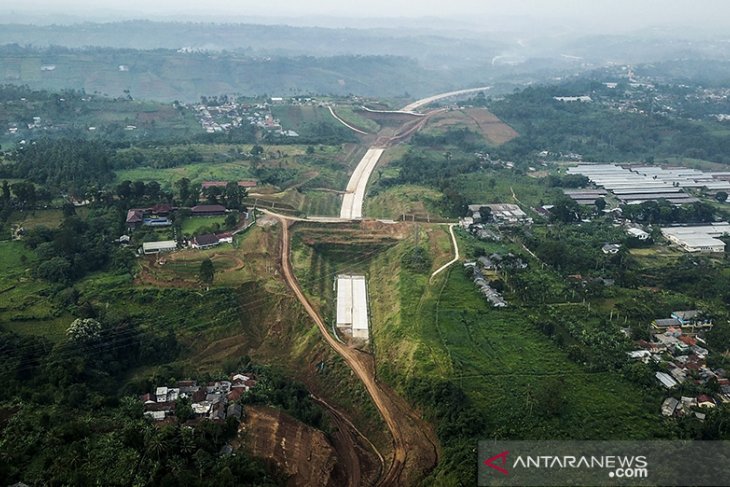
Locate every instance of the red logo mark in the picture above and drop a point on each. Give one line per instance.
(489, 462)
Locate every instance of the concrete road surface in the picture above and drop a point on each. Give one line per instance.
(355, 192)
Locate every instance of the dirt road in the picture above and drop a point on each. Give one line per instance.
(456, 253)
(414, 443)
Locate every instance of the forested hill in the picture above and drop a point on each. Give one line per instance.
(434, 48)
(168, 75)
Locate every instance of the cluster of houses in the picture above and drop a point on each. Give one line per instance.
(224, 117)
(214, 401)
(677, 342)
(501, 214)
(491, 264)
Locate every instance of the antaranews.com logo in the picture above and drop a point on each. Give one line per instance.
(617, 466)
(548, 463)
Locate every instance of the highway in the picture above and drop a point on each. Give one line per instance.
(426, 101)
(355, 191)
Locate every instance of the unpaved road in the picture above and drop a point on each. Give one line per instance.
(456, 253)
(414, 443)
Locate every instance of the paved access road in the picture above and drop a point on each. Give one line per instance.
(355, 191)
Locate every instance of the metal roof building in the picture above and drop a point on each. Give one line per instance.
(701, 238)
(156, 247)
(352, 305)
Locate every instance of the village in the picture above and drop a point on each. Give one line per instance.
(227, 114)
(677, 352)
(215, 401)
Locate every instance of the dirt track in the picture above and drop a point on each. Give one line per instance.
(414, 443)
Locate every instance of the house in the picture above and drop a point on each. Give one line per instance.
(688, 402)
(161, 209)
(155, 415)
(643, 355)
(665, 324)
(692, 319)
(503, 214)
(201, 409)
(135, 218)
(204, 241)
(669, 406)
(236, 394)
(225, 237)
(164, 394)
(638, 233)
(208, 210)
(150, 248)
(147, 398)
(234, 411)
(666, 380)
(705, 401)
(611, 249)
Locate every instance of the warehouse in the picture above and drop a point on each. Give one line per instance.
(698, 238)
(150, 248)
(352, 306)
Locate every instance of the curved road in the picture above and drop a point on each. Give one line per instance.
(425, 101)
(354, 129)
(410, 434)
(355, 192)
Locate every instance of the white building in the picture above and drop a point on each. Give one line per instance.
(702, 238)
(150, 248)
(638, 233)
(352, 305)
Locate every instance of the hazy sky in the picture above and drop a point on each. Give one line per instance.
(618, 14)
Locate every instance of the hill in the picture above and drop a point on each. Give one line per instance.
(165, 74)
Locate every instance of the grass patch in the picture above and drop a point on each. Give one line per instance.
(192, 225)
(349, 115)
(404, 199)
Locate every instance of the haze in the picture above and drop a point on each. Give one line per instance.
(602, 15)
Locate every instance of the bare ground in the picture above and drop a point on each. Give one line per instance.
(415, 451)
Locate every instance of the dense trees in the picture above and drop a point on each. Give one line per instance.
(72, 165)
(597, 132)
(664, 212)
(77, 246)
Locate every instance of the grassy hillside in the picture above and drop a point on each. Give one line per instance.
(171, 75)
(444, 332)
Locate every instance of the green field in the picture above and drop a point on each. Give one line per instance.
(321, 203)
(405, 199)
(302, 118)
(25, 306)
(192, 226)
(349, 115)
